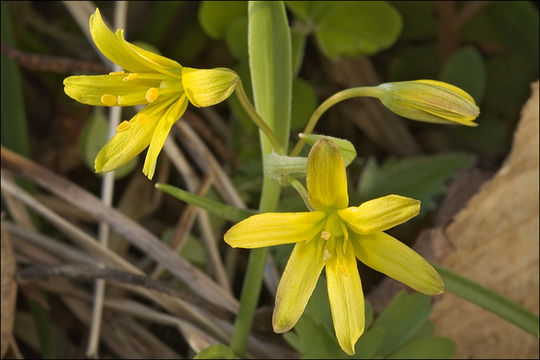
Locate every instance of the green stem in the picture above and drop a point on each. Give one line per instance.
(364, 91)
(489, 300)
(297, 185)
(250, 110)
(254, 275)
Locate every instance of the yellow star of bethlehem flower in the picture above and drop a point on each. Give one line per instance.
(334, 236)
(162, 84)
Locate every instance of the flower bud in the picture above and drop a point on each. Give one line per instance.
(430, 101)
(207, 87)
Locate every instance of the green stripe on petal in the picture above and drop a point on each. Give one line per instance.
(160, 134)
(380, 214)
(390, 256)
(325, 177)
(271, 229)
(297, 284)
(89, 89)
(346, 297)
(111, 46)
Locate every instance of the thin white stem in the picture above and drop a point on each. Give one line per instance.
(107, 190)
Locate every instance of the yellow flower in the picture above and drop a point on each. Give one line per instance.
(162, 84)
(430, 101)
(334, 235)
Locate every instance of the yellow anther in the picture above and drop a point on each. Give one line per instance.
(343, 270)
(116, 73)
(142, 119)
(325, 235)
(131, 76)
(123, 126)
(152, 94)
(108, 100)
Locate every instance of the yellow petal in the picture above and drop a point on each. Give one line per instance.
(147, 58)
(380, 214)
(111, 46)
(271, 229)
(296, 285)
(163, 128)
(91, 89)
(207, 87)
(390, 256)
(325, 177)
(346, 297)
(124, 146)
(127, 144)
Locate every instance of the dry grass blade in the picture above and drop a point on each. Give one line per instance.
(174, 305)
(9, 291)
(136, 234)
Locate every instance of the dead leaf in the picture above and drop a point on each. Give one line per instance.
(9, 291)
(495, 241)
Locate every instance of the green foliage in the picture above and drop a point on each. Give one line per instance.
(216, 16)
(420, 177)
(350, 28)
(304, 102)
(489, 300)
(419, 19)
(431, 347)
(466, 69)
(212, 206)
(414, 62)
(401, 330)
(93, 137)
(401, 319)
(193, 251)
(218, 351)
(14, 132)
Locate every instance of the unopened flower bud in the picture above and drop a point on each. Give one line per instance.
(430, 101)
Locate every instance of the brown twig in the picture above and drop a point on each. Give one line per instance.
(57, 64)
(451, 22)
(89, 272)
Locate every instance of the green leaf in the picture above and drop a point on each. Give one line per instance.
(304, 102)
(218, 351)
(401, 319)
(489, 300)
(432, 347)
(414, 62)
(425, 330)
(369, 342)
(214, 207)
(419, 19)
(269, 45)
(216, 16)
(466, 69)
(313, 340)
(420, 177)
(298, 44)
(308, 11)
(193, 251)
(14, 128)
(93, 137)
(236, 38)
(357, 27)
(345, 146)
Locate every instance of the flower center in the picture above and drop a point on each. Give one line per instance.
(334, 235)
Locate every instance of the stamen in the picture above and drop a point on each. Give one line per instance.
(327, 254)
(108, 100)
(131, 76)
(142, 119)
(326, 235)
(343, 270)
(116, 73)
(123, 126)
(152, 94)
